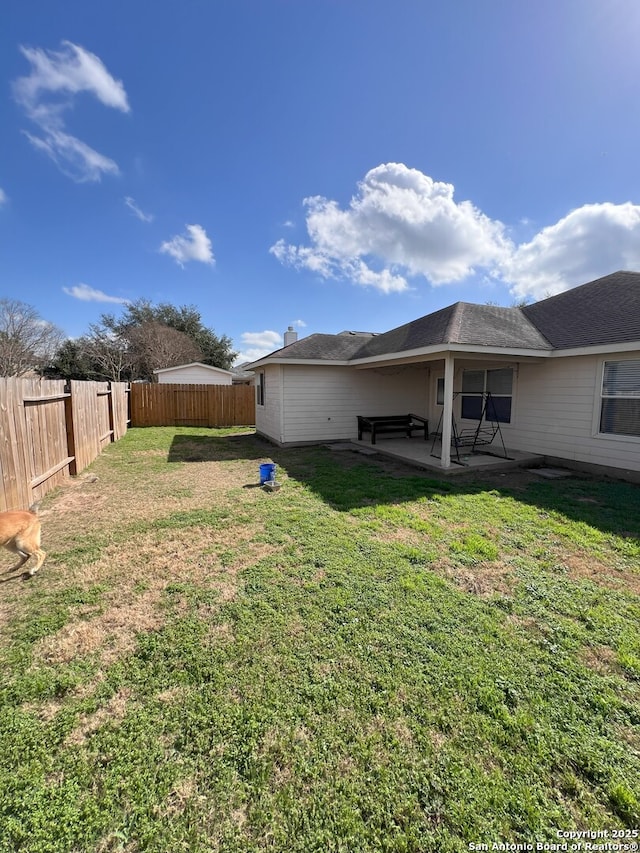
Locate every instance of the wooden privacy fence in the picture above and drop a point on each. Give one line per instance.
(192, 405)
(50, 429)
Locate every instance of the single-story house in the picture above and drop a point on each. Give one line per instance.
(564, 375)
(195, 373)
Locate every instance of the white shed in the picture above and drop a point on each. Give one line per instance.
(195, 373)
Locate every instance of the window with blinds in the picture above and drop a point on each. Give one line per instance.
(620, 409)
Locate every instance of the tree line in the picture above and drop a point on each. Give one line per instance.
(144, 338)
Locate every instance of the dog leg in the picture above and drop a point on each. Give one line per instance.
(23, 559)
(40, 558)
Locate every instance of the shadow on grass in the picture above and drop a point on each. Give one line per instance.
(348, 480)
(212, 448)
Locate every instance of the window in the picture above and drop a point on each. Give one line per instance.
(620, 406)
(260, 388)
(440, 391)
(477, 383)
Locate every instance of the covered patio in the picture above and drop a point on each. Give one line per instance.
(418, 452)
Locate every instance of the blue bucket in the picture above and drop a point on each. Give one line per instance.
(267, 472)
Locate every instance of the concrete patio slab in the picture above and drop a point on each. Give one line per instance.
(416, 451)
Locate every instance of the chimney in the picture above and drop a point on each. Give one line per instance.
(290, 336)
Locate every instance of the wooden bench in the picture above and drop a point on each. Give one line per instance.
(391, 423)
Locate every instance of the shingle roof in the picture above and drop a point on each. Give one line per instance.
(325, 347)
(462, 323)
(604, 311)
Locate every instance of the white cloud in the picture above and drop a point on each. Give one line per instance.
(142, 216)
(300, 323)
(401, 223)
(3, 197)
(90, 294)
(73, 157)
(589, 242)
(255, 345)
(195, 246)
(48, 92)
(71, 70)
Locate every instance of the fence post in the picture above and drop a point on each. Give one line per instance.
(68, 418)
(110, 410)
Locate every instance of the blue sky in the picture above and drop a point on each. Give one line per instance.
(327, 164)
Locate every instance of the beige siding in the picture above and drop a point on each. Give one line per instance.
(195, 375)
(321, 403)
(557, 410)
(269, 416)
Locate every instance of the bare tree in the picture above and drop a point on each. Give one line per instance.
(215, 350)
(110, 356)
(154, 346)
(26, 340)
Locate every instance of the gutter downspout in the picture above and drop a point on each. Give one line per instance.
(447, 412)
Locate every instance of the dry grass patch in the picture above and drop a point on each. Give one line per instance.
(484, 579)
(113, 711)
(176, 694)
(100, 502)
(109, 635)
(602, 659)
(137, 580)
(184, 791)
(583, 565)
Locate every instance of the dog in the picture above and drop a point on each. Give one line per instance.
(20, 533)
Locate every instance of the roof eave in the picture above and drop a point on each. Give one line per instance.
(316, 361)
(192, 364)
(439, 350)
(598, 349)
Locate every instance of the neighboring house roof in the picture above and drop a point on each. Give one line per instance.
(605, 311)
(193, 364)
(239, 372)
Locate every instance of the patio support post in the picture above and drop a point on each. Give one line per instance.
(447, 412)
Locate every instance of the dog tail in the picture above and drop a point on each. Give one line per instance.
(35, 507)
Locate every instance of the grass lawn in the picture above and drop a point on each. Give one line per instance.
(367, 660)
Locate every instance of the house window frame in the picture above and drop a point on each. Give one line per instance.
(261, 389)
(486, 370)
(600, 397)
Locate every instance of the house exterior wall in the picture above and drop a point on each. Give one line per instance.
(269, 415)
(194, 375)
(320, 403)
(557, 413)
